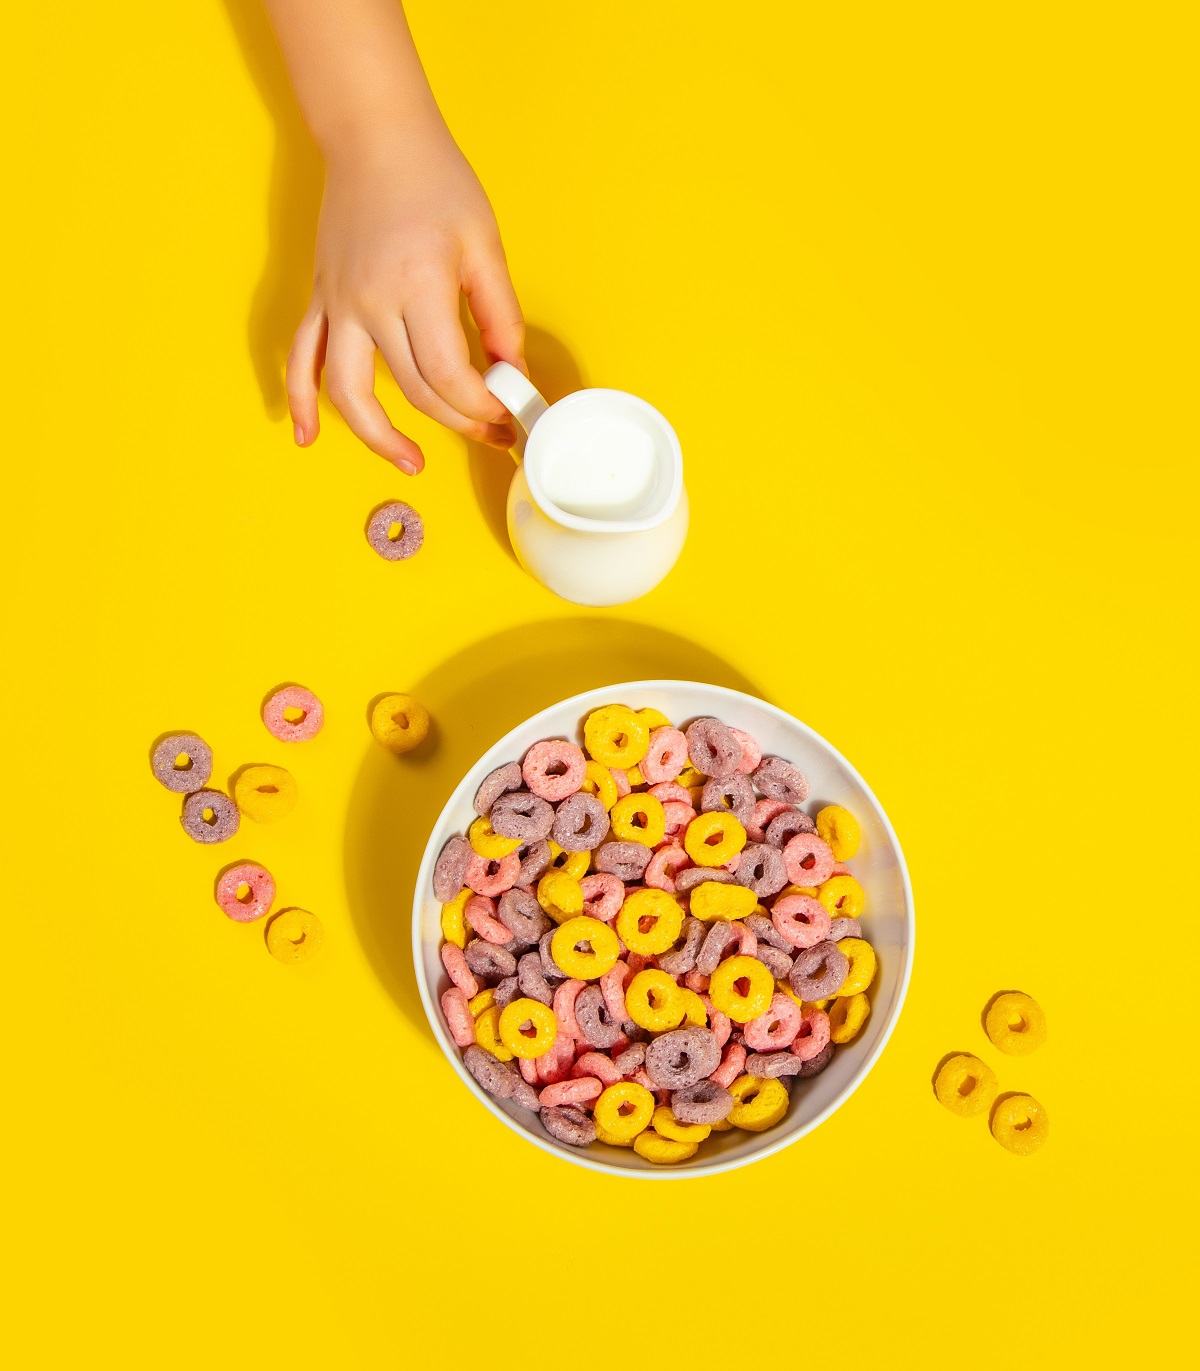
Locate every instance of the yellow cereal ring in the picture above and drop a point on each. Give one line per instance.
(293, 935)
(484, 1000)
(782, 988)
(454, 925)
(487, 843)
(560, 896)
(722, 1126)
(712, 900)
(638, 819)
(649, 922)
(691, 779)
(653, 719)
(574, 864)
(811, 891)
(598, 780)
(1015, 1023)
(965, 1085)
(615, 736)
(758, 1103)
(265, 793)
(847, 1015)
(729, 1000)
(634, 777)
(602, 1136)
(839, 828)
(1020, 1124)
(598, 955)
(655, 1148)
(513, 1018)
(487, 1034)
(666, 1125)
(399, 722)
(842, 896)
(654, 1002)
(714, 839)
(624, 1110)
(861, 956)
(694, 1012)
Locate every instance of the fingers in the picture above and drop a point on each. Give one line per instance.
(442, 355)
(494, 306)
(303, 374)
(350, 379)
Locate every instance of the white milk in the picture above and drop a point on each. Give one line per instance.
(606, 468)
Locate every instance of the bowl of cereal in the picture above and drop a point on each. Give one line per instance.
(662, 928)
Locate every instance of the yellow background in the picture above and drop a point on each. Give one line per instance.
(915, 285)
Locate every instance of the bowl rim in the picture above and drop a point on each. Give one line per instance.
(582, 1158)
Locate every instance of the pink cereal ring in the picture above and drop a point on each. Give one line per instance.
(480, 913)
(554, 769)
(809, 859)
(747, 942)
(458, 1016)
(528, 1070)
(695, 980)
(492, 878)
(603, 896)
(623, 786)
(459, 972)
(665, 865)
(612, 987)
(803, 921)
(598, 1065)
(776, 1029)
(670, 790)
(581, 1091)
(813, 1036)
(764, 812)
(751, 752)
(642, 1079)
(293, 699)
(665, 757)
(677, 816)
(841, 869)
(555, 1065)
(619, 1046)
(637, 962)
(719, 1025)
(564, 1009)
(260, 887)
(731, 1066)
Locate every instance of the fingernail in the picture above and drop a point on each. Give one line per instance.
(299, 432)
(409, 468)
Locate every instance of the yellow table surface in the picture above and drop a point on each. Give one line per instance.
(915, 286)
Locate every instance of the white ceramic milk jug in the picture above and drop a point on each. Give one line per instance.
(597, 510)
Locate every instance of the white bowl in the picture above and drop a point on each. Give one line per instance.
(887, 922)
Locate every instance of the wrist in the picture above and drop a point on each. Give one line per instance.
(381, 135)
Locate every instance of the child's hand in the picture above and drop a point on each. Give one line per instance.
(405, 227)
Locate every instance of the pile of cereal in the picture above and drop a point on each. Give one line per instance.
(648, 938)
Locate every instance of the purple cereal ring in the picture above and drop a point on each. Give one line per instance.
(550, 968)
(494, 1076)
(525, 1095)
(704, 1102)
(665, 757)
(712, 749)
(495, 784)
(779, 779)
(521, 914)
(762, 869)
(192, 773)
(629, 1060)
(778, 963)
(816, 1064)
(687, 881)
(506, 992)
(568, 1124)
(580, 823)
(844, 928)
(489, 959)
(532, 979)
(766, 932)
(209, 817)
(818, 972)
(784, 827)
(682, 1058)
(625, 860)
(535, 862)
(771, 1065)
(733, 795)
(407, 541)
(593, 1017)
(683, 959)
(554, 769)
(450, 869)
(521, 814)
(716, 943)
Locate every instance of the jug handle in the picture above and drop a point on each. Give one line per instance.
(519, 396)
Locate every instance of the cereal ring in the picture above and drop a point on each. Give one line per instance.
(785, 826)
(584, 948)
(209, 816)
(803, 921)
(713, 900)
(624, 1110)
(480, 913)
(265, 793)
(731, 1065)
(560, 895)
(496, 783)
(649, 922)
(293, 935)
(554, 769)
(505, 993)
(766, 932)
(726, 992)
(718, 940)
(662, 868)
(734, 794)
(702, 1103)
(535, 861)
(664, 1151)
(621, 781)
(781, 780)
(454, 924)
(666, 755)
(527, 1028)
(573, 864)
(603, 894)
(683, 960)
(761, 869)
(627, 861)
(965, 1085)
(713, 839)
(557, 1063)
(653, 718)
(395, 531)
(842, 896)
(490, 1073)
(454, 959)
(688, 879)
(487, 843)
(776, 1029)
(549, 967)
(670, 793)
(487, 1034)
(631, 1059)
(847, 1014)
(839, 828)
(597, 1065)
(532, 981)
(653, 1001)
(638, 818)
(564, 1008)
(666, 1125)
(813, 1035)
(809, 861)
(779, 964)
(399, 723)
(293, 714)
(676, 817)
(771, 1066)
(581, 1090)
(1020, 1124)
(844, 928)
(682, 1058)
(569, 1125)
(861, 972)
(815, 1065)
(581, 822)
(182, 762)
(450, 868)
(615, 737)
(758, 1104)
(751, 752)
(599, 781)
(488, 959)
(484, 1000)
(712, 749)
(522, 915)
(818, 972)
(245, 892)
(522, 816)
(491, 877)
(1015, 1023)
(459, 1019)
(598, 1026)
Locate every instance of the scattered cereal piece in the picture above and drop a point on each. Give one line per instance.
(245, 892)
(182, 762)
(209, 816)
(965, 1085)
(1015, 1023)
(294, 935)
(265, 793)
(293, 714)
(1020, 1124)
(395, 531)
(399, 723)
